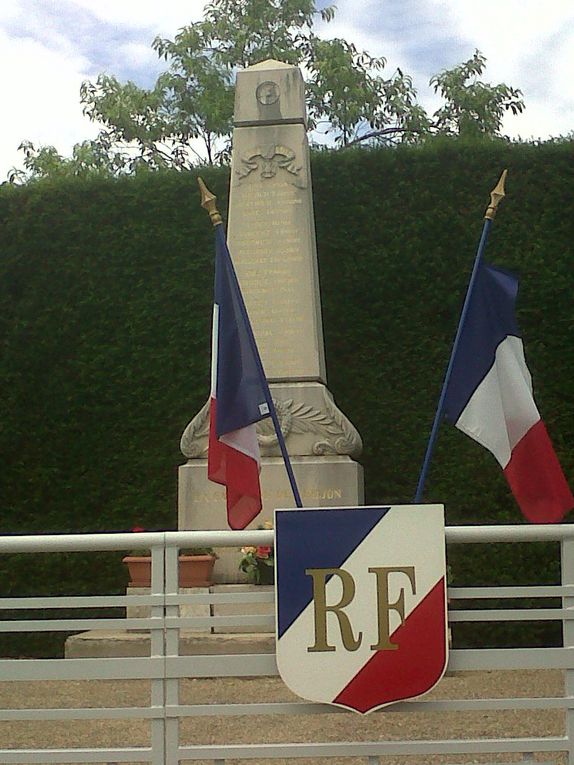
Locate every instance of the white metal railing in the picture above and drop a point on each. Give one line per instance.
(164, 667)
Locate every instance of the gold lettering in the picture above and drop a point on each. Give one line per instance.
(384, 607)
(319, 576)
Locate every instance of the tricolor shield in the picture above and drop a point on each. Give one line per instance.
(361, 603)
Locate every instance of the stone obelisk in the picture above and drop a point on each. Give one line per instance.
(271, 237)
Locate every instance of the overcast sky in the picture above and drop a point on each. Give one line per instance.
(48, 47)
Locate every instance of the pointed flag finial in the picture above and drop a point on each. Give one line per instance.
(496, 195)
(208, 202)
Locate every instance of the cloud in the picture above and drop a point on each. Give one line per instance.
(525, 47)
(163, 18)
(41, 98)
(48, 48)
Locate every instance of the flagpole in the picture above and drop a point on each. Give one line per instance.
(208, 202)
(495, 196)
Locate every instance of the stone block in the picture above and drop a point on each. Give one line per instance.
(187, 610)
(327, 481)
(270, 92)
(243, 608)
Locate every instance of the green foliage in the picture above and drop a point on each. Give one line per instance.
(348, 98)
(105, 310)
(244, 32)
(346, 91)
(473, 107)
(88, 158)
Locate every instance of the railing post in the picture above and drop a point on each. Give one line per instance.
(171, 650)
(157, 649)
(567, 566)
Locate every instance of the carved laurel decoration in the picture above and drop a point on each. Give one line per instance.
(270, 159)
(336, 434)
(194, 440)
(339, 436)
(347, 441)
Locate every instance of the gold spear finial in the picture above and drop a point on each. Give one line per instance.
(208, 202)
(496, 195)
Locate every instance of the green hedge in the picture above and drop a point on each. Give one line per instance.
(105, 308)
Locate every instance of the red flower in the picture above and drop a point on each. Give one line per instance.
(138, 528)
(264, 551)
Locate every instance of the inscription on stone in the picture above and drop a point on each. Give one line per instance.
(271, 236)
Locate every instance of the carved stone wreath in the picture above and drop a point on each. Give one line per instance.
(336, 435)
(270, 159)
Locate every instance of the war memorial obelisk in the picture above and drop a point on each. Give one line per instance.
(271, 237)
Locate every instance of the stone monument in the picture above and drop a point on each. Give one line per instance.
(271, 237)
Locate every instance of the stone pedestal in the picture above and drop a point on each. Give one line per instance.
(329, 481)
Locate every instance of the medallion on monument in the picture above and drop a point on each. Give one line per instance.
(267, 93)
(361, 603)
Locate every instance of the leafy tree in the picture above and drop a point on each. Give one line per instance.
(473, 107)
(88, 158)
(346, 91)
(193, 99)
(349, 99)
(238, 33)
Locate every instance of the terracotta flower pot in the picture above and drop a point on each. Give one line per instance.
(194, 570)
(139, 567)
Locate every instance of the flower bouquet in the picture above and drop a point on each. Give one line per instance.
(258, 562)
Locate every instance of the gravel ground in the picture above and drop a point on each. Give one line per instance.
(276, 728)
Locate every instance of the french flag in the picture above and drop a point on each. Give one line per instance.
(489, 397)
(238, 395)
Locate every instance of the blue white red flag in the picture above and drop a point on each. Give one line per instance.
(238, 395)
(489, 397)
(361, 603)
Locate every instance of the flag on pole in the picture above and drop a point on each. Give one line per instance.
(238, 395)
(489, 397)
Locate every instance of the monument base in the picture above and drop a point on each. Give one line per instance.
(326, 481)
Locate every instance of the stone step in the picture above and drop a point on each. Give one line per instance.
(111, 644)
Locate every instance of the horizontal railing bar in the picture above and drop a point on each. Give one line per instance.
(542, 591)
(510, 658)
(125, 541)
(83, 713)
(137, 624)
(311, 708)
(373, 748)
(256, 665)
(553, 532)
(81, 625)
(46, 543)
(264, 665)
(508, 615)
(135, 754)
(86, 601)
(254, 620)
(206, 598)
(222, 665)
(145, 668)
(278, 708)
(216, 598)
